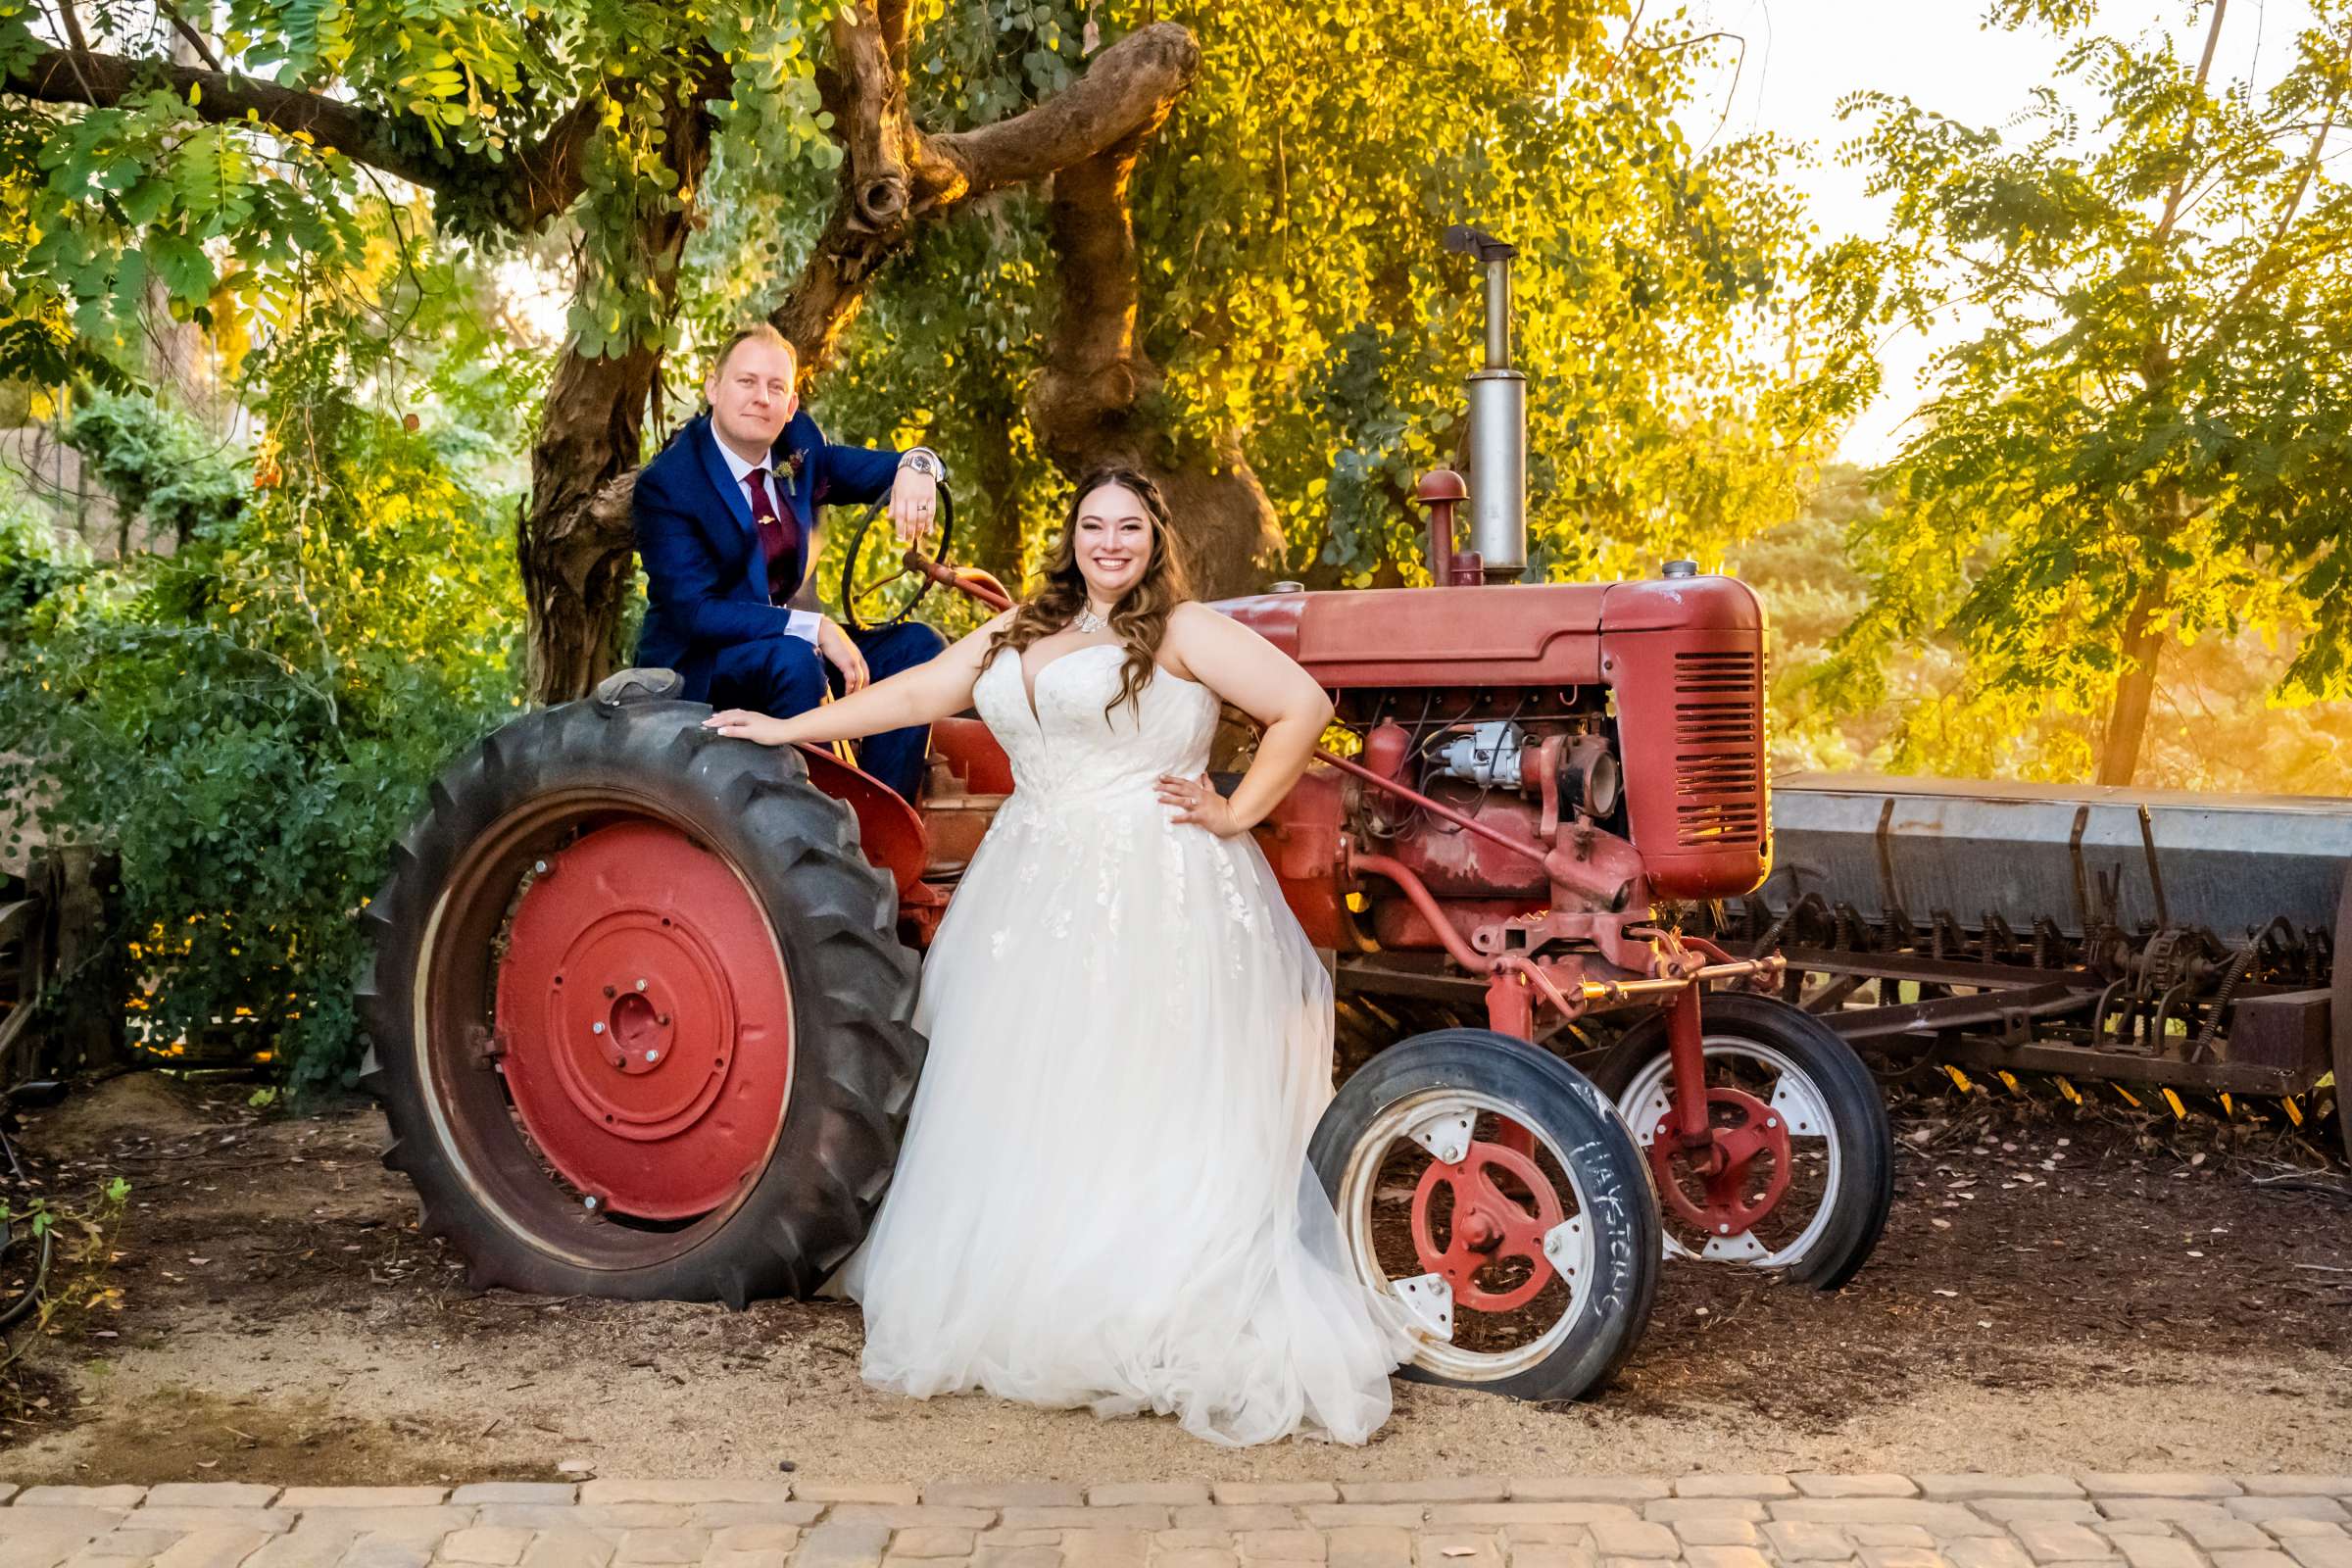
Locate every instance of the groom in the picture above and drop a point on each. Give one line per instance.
(726, 525)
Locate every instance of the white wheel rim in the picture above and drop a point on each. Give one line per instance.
(1572, 1247)
(1800, 1104)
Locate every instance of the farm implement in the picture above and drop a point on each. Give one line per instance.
(2179, 947)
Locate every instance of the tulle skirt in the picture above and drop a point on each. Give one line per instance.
(1104, 1199)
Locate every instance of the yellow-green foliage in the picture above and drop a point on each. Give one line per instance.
(2219, 723)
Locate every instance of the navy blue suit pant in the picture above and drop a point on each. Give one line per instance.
(783, 675)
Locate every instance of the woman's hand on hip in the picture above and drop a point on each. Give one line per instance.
(1197, 802)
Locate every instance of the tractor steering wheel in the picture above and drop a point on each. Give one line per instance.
(878, 587)
(875, 583)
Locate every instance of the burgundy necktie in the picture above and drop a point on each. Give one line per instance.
(778, 536)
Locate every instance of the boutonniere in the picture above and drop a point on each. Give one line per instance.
(796, 459)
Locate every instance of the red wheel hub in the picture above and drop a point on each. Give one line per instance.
(1488, 1226)
(1742, 1128)
(647, 1022)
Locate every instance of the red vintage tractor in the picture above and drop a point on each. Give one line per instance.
(641, 995)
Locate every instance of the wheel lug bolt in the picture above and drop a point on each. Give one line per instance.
(589, 1203)
(653, 1055)
(597, 1028)
(641, 984)
(662, 1020)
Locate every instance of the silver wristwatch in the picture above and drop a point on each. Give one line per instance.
(924, 460)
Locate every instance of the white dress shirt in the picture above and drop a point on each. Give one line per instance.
(802, 623)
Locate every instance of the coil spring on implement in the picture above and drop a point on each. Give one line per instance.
(2240, 962)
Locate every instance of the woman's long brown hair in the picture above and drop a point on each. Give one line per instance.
(1140, 617)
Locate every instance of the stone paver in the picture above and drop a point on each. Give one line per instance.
(1460, 1488)
(209, 1495)
(1715, 1532)
(1683, 1510)
(1634, 1538)
(1173, 1493)
(1967, 1489)
(1237, 1492)
(2048, 1540)
(1800, 1520)
(80, 1497)
(1734, 1487)
(1800, 1541)
(1369, 1547)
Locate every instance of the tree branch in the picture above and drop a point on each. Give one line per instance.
(890, 17)
(896, 176)
(2189, 132)
(2266, 262)
(871, 115)
(101, 81)
(536, 182)
(70, 21)
(195, 40)
(1126, 92)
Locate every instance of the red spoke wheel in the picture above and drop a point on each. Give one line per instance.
(1797, 1173)
(1493, 1253)
(1733, 1194)
(1495, 1197)
(640, 1020)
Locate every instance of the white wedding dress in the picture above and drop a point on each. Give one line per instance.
(1104, 1198)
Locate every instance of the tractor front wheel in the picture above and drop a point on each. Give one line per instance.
(641, 1024)
(1799, 1173)
(1495, 1194)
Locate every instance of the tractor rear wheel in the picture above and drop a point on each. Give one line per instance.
(1811, 1169)
(640, 1020)
(1494, 1194)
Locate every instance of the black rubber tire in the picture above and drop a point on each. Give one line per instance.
(852, 986)
(1857, 1116)
(1582, 1127)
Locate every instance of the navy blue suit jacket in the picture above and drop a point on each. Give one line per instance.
(706, 575)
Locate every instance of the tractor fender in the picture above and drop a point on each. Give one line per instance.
(889, 830)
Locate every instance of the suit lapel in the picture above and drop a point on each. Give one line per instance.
(706, 442)
(738, 505)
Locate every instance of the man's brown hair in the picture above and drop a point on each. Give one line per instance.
(759, 331)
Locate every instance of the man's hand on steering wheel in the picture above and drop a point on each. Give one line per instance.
(913, 505)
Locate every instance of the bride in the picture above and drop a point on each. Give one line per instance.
(1103, 1195)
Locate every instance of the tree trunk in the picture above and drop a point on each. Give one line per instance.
(2135, 691)
(574, 543)
(1090, 404)
(991, 521)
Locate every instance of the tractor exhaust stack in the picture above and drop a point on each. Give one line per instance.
(1498, 420)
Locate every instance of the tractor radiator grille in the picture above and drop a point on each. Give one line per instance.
(1718, 749)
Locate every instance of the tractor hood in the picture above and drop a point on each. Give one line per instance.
(1514, 634)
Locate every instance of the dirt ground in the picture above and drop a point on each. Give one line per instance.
(2058, 1290)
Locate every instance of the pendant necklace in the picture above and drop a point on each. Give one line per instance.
(1085, 620)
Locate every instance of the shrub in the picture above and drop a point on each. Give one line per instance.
(251, 721)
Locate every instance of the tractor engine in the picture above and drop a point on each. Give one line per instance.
(1538, 767)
